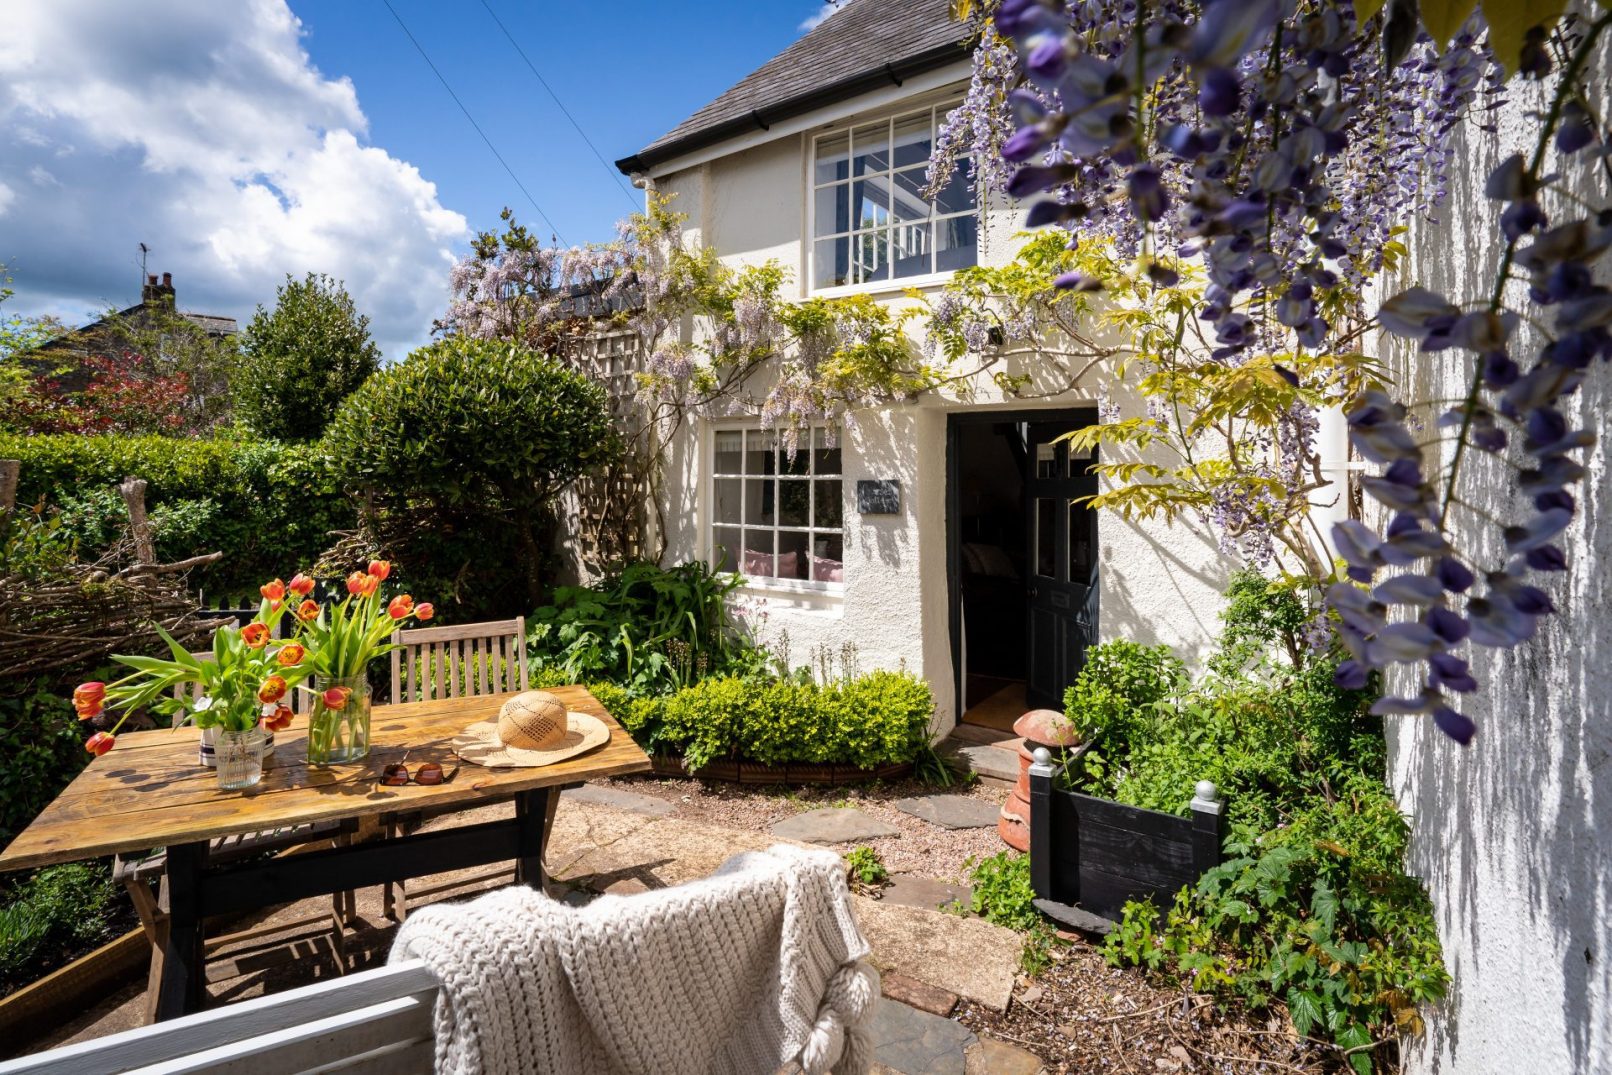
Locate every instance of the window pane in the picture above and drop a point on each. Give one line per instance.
(1080, 543)
(957, 196)
(758, 451)
(909, 249)
(910, 204)
(792, 554)
(870, 148)
(1046, 537)
(870, 200)
(833, 210)
(870, 256)
(757, 558)
(725, 553)
(826, 443)
(833, 155)
(830, 505)
(828, 558)
(831, 263)
(794, 503)
(728, 501)
(760, 501)
(799, 463)
(956, 243)
(912, 140)
(729, 451)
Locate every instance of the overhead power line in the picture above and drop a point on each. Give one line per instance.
(417, 47)
(614, 173)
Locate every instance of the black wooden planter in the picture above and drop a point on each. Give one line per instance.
(1089, 856)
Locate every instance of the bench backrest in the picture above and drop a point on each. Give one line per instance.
(375, 1022)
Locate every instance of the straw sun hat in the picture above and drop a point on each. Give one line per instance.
(532, 729)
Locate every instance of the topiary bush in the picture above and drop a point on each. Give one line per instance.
(269, 507)
(464, 445)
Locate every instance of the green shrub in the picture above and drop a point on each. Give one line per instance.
(1002, 892)
(57, 909)
(43, 750)
(270, 508)
(1119, 690)
(301, 360)
(471, 439)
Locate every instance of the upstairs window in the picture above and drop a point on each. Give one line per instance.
(870, 220)
(776, 515)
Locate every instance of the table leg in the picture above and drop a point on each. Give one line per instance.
(531, 807)
(183, 985)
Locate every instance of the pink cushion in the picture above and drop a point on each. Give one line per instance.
(766, 565)
(826, 570)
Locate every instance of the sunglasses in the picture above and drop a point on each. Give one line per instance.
(427, 773)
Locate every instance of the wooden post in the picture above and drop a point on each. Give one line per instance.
(10, 470)
(1208, 826)
(134, 495)
(531, 810)
(1041, 828)
(183, 985)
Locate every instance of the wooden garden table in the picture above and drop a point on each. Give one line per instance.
(149, 792)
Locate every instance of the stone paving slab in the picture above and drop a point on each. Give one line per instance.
(915, 890)
(911, 1042)
(619, 798)
(968, 956)
(951, 811)
(832, 825)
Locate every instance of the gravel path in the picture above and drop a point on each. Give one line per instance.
(919, 847)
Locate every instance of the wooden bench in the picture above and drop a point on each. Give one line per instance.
(375, 1022)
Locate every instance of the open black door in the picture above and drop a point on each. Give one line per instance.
(1061, 560)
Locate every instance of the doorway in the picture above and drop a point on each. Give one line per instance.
(1022, 556)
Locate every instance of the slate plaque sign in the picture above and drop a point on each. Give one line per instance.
(881, 497)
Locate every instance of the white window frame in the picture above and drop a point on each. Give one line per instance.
(712, 524)
(845, 129)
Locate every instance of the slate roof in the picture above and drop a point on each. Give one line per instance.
(861, 47)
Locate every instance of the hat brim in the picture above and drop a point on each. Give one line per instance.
(479, 744)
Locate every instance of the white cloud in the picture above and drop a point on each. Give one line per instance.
(814, 20)
(204, 130)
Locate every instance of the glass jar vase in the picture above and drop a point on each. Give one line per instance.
(339, 732)
(239, 758)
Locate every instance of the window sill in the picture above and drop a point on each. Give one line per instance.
(765, 587)
(887, 287)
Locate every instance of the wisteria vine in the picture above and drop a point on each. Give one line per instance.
(1279, 142)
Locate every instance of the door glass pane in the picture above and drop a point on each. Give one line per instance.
(758, 451)
(1046, 537)
(826, 447)
(830, 508)
(1079, 460)
(793, 561)
(912, 140)
(833, 211)
(870, 202)
(725, 555)
(1080, 543)
(1046, 460)
(729, 492)
(729, 451)
(870, 148)
(831, 262)
(794, 503)
(833, 156)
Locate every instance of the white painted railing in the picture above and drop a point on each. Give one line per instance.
(375, 1022)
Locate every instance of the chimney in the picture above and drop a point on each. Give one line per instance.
(148, 293)
(153, 292)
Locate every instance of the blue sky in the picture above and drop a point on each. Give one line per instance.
(627, 72)
(246, 141)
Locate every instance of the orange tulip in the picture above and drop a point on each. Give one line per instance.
(336, 697)
(273, 592)
(301, 585)
(308, 610)
(273, 689)
(371, 584)
(423, 611)
(255, 635)
(100, 743)
(380, 568)
(89, 699)
(355, 583)
(89, 710)
(291, 653)
(400, 606)
(279, 720)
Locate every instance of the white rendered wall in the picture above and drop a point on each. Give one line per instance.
(1158, 583)
(1513, 834)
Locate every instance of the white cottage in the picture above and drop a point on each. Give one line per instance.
(939, 533)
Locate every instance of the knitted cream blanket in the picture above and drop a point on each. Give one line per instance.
(754, 968)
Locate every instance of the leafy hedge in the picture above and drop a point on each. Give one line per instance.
(269, 507)
(880, 718)
(43, 748)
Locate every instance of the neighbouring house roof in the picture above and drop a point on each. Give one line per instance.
(864, 45)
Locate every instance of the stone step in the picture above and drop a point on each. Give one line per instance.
(979, 733)
(996, 763)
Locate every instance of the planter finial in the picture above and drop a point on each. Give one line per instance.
(1043, 756)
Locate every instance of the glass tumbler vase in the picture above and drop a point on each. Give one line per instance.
(239, 757)
(339, 733)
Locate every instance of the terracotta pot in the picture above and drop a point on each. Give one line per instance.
(1038, 728)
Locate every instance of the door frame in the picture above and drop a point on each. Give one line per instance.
(956, 421)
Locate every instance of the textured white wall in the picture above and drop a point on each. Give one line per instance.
(1159, 584)
(1513, 834)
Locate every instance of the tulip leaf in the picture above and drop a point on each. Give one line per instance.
(1443, 18)
(1509, 22)
(1366, 10)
